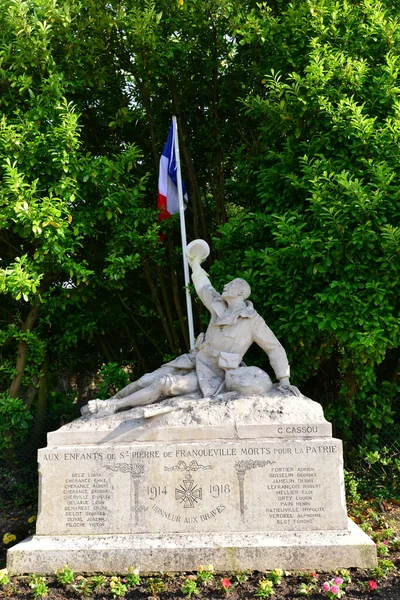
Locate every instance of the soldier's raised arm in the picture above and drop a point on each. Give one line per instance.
(205, 291)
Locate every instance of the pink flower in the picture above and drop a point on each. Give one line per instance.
(326, 587)
(372, 585)
(314, 575)
(338, 581)
(386, 542)
(225, 583)
(334, 589)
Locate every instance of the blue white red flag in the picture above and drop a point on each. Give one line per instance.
(168, 203)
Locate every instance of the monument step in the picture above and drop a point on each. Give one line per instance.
(304, 550)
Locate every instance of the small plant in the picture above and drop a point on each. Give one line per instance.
(133, 577)
(345, 575)
(308, 583)
(155, 585)
(309, 577)
(366, 527)
(189, 587)
(351, 486)
(8, 538)
(384, 535)
(65, 576)
(382, 549)
(265, 588)
(334, 588)
(205, 574)
(383, 569)
(4, 578)
(15, 420)
(395, 544)
(118, 589)
(113, 378)
(240, 576)
(38, 586)
(97, 581)
(167, 575)
(225, 584)
(306, 589)
(276, 576)
(83, 587)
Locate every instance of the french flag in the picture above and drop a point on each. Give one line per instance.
(168, 203)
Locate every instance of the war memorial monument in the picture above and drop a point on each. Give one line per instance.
(205, 460)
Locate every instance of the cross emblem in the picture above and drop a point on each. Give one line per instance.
(188, 494)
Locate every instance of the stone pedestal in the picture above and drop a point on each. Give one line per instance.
(259, 493)
(185, 552)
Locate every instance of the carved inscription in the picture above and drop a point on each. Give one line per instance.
(293, 496)
(268, 485)
(87, 499)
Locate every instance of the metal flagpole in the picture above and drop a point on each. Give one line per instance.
(183, 235)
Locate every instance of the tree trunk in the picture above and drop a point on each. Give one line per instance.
(106, 349)
(177, 299)
(158, 306)
(31, 391)
(137, 351)
(43, 396)
(168, 310)
(152, 341)
(28, 324)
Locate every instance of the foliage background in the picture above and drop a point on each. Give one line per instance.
(290, 121)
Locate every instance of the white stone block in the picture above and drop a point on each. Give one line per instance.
(307, 550)
(226, 486)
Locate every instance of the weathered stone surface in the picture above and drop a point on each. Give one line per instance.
(239, 485)
(182, 552)
(253, 485)
(224, 417)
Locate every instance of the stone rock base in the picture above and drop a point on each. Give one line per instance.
(303, 550)
(157, 488)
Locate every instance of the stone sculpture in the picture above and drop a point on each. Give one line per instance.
(215, 364)
(226, 466)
